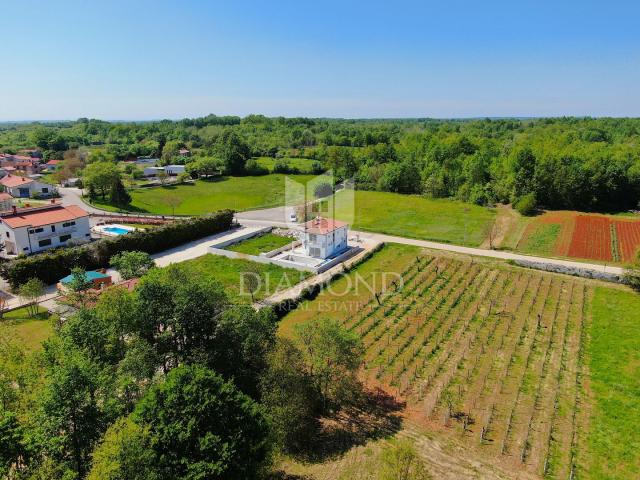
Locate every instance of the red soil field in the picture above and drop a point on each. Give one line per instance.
(591, 238)
(628, 234)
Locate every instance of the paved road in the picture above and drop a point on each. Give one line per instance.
(248, 219)
(278, 217)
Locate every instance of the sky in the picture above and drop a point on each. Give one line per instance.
(141, 60)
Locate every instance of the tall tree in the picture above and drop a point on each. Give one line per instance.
(233, 152)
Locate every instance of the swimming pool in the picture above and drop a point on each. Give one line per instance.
(116, 230)
(113, 230)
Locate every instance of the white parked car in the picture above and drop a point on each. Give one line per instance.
(293, 218)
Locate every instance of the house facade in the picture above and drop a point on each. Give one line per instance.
(6, 202)
(37, 229)
(325, 238)
(23, 187)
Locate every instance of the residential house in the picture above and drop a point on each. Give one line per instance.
(22, 187)
(52, 165)
(32, 230)
(324, 238)
(97, 279)
(6, 202)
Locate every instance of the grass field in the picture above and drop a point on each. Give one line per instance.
(228, 272)
(302, 164)
(202, 197)
(29, 331)
(495, 358)
(614, 439)
(542, 240)
(413, 216)
(261, 243)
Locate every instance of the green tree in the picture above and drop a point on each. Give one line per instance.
(124, 453)
(288, 394)
(233, 152)
(332, 355)
(70, 420)
(323, 190)
(101, 176)
(401, 462)
(632, 273)
(200, 426)
(31, 291)
(132, 264)
(119, 195)
(13, 450)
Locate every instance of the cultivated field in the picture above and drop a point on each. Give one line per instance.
(487, 356)
(585, 236)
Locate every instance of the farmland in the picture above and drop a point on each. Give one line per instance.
(583, 236)
(485, 355)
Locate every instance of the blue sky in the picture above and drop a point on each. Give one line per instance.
(170, 59)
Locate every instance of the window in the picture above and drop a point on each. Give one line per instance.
(8, 236)
(45, 190)
(53, 228)
(68, 224)
(45, 243)
(312, 237)
(37, 230)
(64, 238)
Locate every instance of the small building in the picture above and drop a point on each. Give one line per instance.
(32, 230)
(324, 238)
(98, 279)
(22, 187)
(174, 169)
(183, 152)
(52, 165)
(6, 202)
(152, 171)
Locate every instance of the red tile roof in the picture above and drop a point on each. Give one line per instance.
(39, 218)
(5, 196)
(322, 226)
(14, 181)
(53, 162)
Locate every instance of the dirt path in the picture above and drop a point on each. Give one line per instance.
(506, 218)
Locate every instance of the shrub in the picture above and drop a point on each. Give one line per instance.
(51, 266)
(526, 204)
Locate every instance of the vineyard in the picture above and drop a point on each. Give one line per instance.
(593, 237)
(488, 355)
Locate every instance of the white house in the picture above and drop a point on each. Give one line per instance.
(23, 187)
(36, 229)
(324, 238)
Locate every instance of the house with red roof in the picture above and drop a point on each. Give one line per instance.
(52, 165)
(32, 230)
(325, 237)
(23, 187)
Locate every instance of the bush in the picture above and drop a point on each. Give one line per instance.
(323, 190)
(51, 266)
(252, 168)
(526, 205)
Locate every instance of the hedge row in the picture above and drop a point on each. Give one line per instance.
(53, 265)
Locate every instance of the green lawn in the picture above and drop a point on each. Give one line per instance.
(202, 197)
(614, 352)
(440, 220)
(262, 243)
(228, 272)
(542, 240)
(302, 164)
(30, 331)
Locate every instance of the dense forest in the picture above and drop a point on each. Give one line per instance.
(557, 163)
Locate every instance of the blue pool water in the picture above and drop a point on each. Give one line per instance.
(116, 230)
